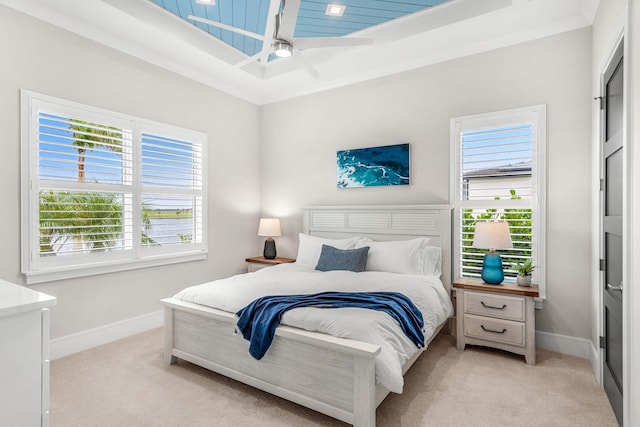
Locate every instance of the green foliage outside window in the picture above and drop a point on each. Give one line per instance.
(519, 226)
(92, 220)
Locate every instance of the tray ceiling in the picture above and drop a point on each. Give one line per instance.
(405, 35)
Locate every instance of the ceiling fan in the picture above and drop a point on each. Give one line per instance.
(282, 43)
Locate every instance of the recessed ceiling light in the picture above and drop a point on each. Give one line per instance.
(207, 2)
(335, 9)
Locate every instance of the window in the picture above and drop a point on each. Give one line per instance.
(498, 174)
(104, 191)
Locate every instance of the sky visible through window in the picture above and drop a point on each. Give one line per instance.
(496, 147)
(94, 158)
(495, 162)
(61, 140)
(166, 162)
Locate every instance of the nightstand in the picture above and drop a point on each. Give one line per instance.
(258, 262)
(499, 316)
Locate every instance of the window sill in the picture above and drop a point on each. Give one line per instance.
(51, 275)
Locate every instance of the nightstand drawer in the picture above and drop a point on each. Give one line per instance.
(494, 330)
(502, 307)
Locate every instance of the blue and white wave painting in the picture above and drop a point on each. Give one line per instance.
(368, 167)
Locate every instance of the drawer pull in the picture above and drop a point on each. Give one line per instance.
(491, 330)
(491, 306)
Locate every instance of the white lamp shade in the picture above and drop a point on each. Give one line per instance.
(492, 235)
(269, 227)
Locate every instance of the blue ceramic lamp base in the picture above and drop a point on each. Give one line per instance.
(492, 271)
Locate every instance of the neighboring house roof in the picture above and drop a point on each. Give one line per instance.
(516, 169)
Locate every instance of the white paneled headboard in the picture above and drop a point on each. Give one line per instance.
(385, 222)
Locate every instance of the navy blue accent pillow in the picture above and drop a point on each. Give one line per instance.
(342, 259)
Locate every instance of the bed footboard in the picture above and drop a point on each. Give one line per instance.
(334, 376)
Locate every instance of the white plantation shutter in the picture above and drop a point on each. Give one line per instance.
(105, 149)
(493, 157)
(498, 174)
(103, 195)
(82, 181)
(172, 182)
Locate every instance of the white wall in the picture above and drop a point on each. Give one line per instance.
(300, 138)
(46, 59)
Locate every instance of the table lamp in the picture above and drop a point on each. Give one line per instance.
(492, 235)
(269, 228)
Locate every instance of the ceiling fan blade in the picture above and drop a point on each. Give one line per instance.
(311, 42)
(228, 27)
(289, 18)
(299, 58)
(248, 60)
(274, 9)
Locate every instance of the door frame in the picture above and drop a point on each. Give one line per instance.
(626, 225)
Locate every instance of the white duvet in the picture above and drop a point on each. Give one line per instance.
(375, 327)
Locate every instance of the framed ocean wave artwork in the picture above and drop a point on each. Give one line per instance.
(375, 166)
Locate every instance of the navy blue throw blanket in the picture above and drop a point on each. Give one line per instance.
(258, 321)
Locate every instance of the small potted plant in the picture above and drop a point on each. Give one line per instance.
(524, 270)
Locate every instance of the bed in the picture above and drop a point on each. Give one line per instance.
(332, 375)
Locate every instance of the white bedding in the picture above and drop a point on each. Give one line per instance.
(375, 327)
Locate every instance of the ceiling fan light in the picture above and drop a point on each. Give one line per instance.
(282, 48)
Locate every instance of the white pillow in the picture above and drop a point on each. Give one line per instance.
(432, 261)
(401, 256)
(310, 247)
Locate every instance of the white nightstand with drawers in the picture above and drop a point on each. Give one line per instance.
(499, 316)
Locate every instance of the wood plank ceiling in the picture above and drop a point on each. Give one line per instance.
(252, 15)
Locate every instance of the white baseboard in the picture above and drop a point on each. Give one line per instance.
(85, 340)
(579, 347)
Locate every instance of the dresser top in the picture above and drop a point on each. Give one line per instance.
(503, 288)
(16, 299)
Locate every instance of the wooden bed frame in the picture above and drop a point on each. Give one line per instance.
(331, 375)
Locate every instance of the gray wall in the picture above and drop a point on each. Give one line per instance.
(46, 59)
(300, 138)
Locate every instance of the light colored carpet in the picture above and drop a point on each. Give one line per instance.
(126, 383)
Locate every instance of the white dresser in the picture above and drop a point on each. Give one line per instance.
(24, 356)
(499, 316)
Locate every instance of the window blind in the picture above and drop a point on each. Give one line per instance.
(520, 228)
(74, 150)
(171, 163)
(172, 191)
(105, 189)
(497, 163)
(84, 159)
